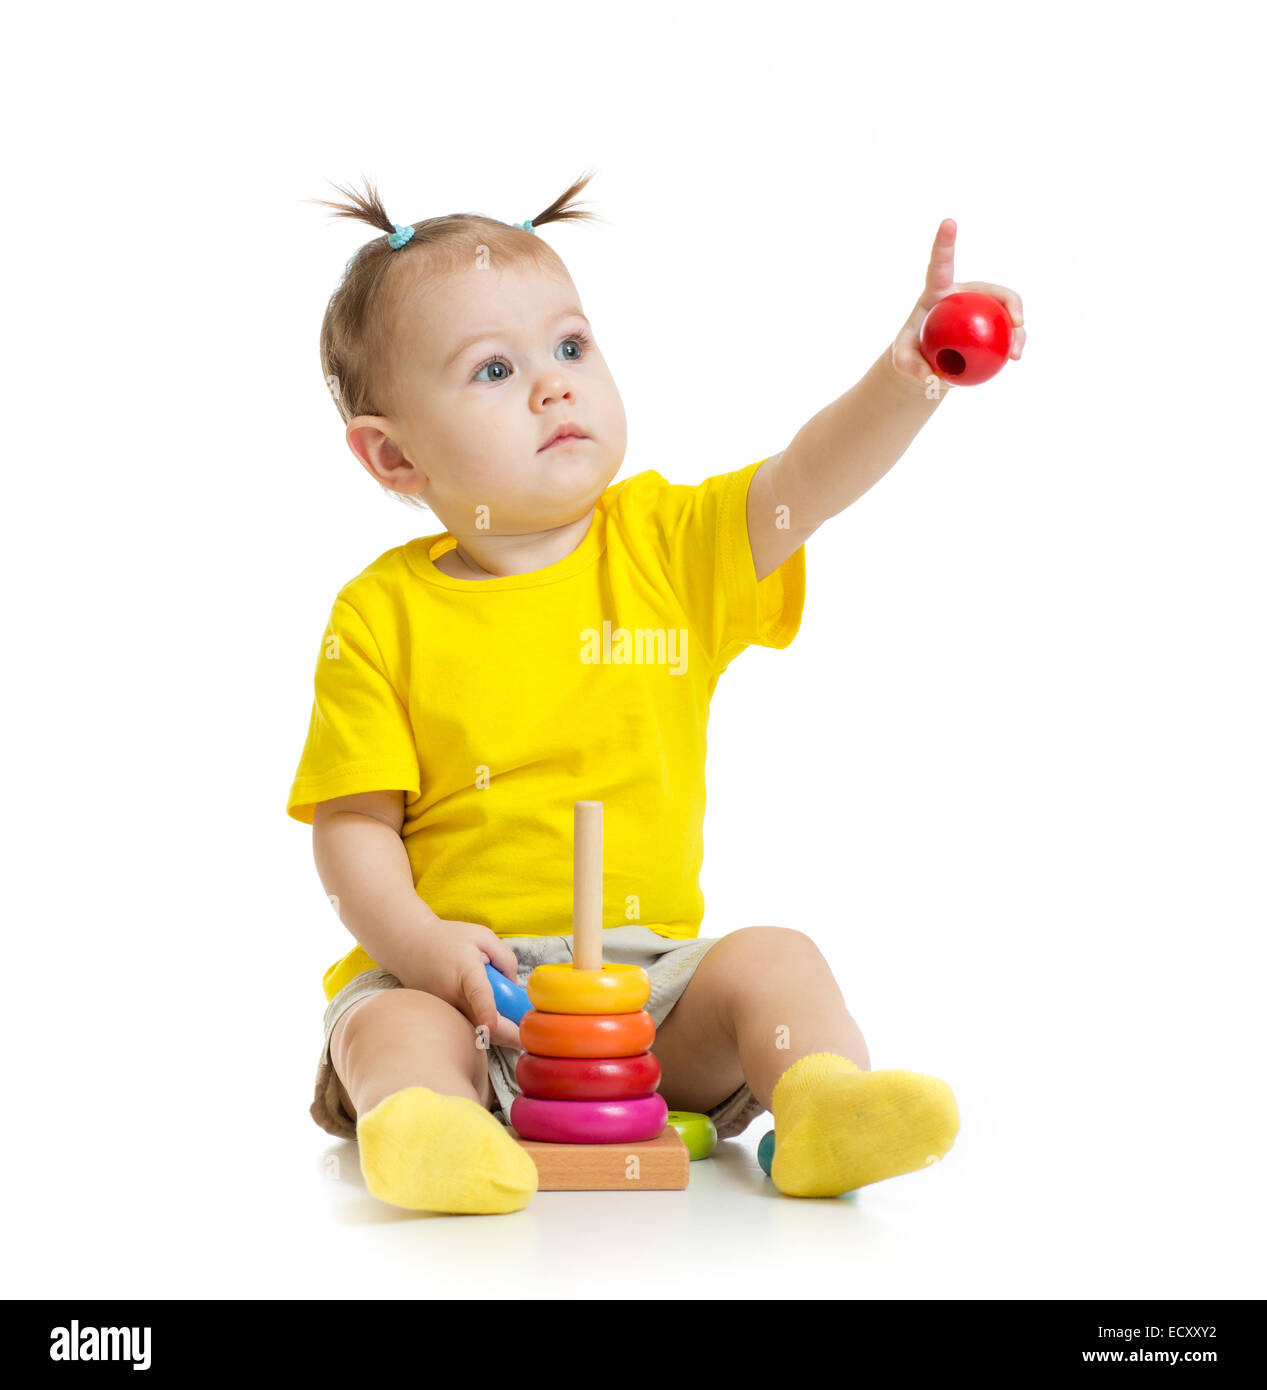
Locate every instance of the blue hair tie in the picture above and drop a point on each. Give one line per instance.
(527, 226)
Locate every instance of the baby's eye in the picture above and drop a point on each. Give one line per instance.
(493, 362)
(581, 339)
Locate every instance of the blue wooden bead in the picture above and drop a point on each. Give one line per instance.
(512, 1000)
(765, 1152)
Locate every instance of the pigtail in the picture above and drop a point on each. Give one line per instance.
(361, 207)
(561, 211)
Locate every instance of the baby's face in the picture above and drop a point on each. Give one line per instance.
(474, 416)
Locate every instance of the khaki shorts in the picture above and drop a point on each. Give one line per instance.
(669, 963)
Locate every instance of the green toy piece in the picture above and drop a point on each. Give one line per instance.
(698, 1132)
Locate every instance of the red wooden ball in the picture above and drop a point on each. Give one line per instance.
(587, 1078)
(966, 337)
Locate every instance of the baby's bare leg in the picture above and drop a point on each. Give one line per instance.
(759, 1000)
(406, 1037)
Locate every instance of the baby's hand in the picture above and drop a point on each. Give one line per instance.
(908, 360)
(447, 959)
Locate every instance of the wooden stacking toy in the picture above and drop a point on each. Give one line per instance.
(588, 1078)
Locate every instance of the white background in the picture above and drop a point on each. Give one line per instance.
(1009, 775)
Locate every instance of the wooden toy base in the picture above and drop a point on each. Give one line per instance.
(662, 1164)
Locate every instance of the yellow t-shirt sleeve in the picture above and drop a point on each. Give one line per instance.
(708, 558)
(359, 736)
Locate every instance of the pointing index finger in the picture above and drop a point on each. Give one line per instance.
(941, 264)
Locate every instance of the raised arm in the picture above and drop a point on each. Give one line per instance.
(832, 460)
(852, 443)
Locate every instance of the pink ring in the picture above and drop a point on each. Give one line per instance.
(589, 1121)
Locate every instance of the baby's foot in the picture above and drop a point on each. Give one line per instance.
(837, 1127)
(430, 1152)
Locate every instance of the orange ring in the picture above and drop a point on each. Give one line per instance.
(586, 1035)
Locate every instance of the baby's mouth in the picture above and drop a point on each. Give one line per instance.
(565, 432)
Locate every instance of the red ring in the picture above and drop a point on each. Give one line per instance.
(587, 1078)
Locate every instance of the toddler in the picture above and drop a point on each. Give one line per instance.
(560, 641)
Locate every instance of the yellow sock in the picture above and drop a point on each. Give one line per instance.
(837, 1127)
(430, 1152)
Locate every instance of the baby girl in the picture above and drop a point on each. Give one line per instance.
(560, 641)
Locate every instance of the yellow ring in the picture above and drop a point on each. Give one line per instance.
(560, 988)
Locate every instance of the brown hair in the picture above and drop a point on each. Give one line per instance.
(356, 329)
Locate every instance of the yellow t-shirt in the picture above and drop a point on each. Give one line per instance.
(496, 704)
